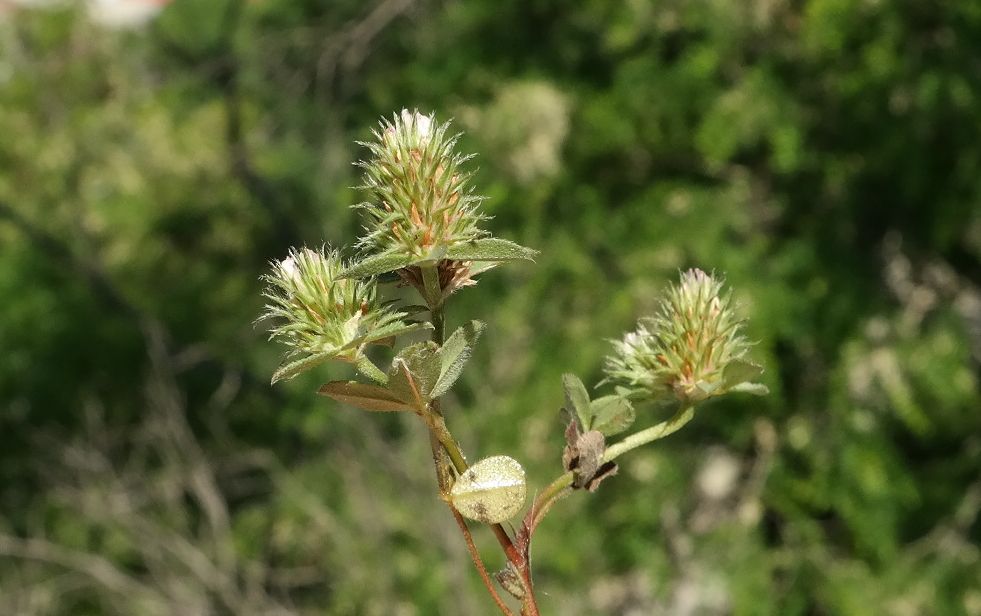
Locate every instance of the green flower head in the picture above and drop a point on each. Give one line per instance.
(422, 202)
(321, 316)
(422, 210)
(692, 348)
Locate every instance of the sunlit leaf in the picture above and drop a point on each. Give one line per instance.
(490, 249)
(757, 389)
(290, 369)
(490, 491)
(377, 264)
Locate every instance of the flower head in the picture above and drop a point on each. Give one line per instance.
(692, 348)
(321, 316)
(422, 203)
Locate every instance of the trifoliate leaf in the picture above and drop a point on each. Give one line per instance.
(364, 396)
(290, 369)
(453, 355)
(414, 373)
(490, 491)
(611, 414)
(377, 264)
(577, 399)
(490, 249)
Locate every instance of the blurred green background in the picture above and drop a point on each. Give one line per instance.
(823, 155)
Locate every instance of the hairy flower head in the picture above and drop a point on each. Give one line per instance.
(320, 316)
(692, 348)
(422, 203)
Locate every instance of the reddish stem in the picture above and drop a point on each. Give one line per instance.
(478, 562)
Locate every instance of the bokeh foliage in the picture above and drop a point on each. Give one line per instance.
(823, 155)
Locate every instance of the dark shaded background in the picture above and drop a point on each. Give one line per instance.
(823, 155)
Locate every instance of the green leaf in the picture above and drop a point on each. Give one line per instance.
(491, 491)
(577, 399)
(739, 376)
(395, 329)
(290, 369)
(453, 355)
(365, 366)
(757, 389)
(611, 414)
(740, 371)
(414, 373)
(490, 249)
(377, 264)
(364, 396)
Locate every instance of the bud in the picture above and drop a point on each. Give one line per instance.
(322, 317)
(422, 201)
(692, 348)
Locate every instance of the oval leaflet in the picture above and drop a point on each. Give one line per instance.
(490, 491)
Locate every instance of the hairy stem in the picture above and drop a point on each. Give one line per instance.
(434, 299)
(437, 428)
(441, 440)
(478, 561)
(647, 435)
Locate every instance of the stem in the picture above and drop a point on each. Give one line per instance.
(478, 562)
(438, 324)
(529, 606)
(439, 433)
(655, 432)
(434, 416)
(550, 495)
(437, 427)
(443, 475)
(434, 298)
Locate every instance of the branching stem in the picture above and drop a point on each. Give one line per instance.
(445, 446)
